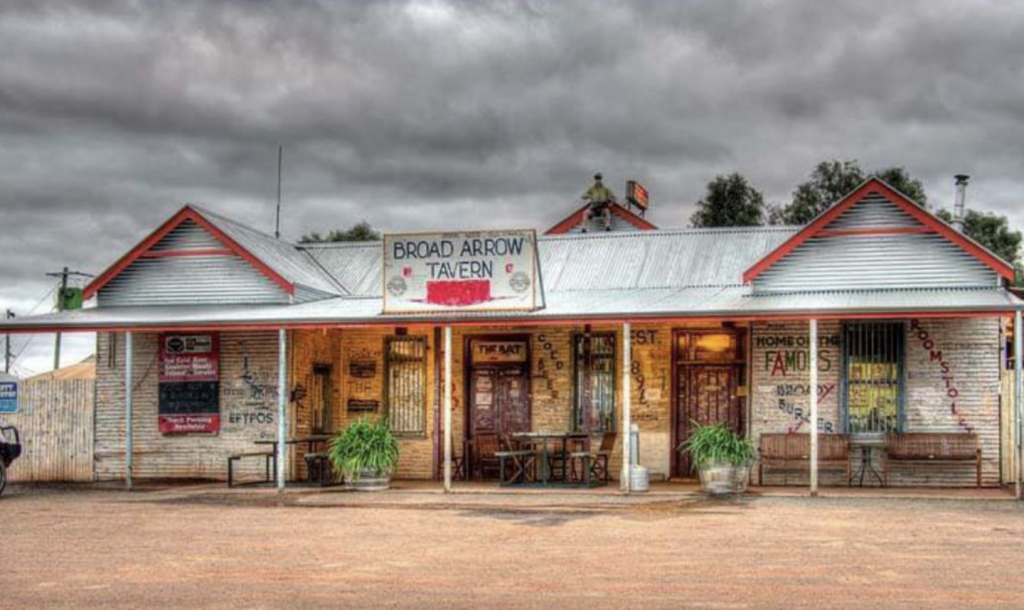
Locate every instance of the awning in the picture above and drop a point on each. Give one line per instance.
(730, 303)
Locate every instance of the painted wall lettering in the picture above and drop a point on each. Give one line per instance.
(935, 356)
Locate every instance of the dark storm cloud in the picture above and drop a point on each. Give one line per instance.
(421, 114)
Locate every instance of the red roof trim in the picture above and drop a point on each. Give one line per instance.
(580, 215)
(875, 185)
(186, 213)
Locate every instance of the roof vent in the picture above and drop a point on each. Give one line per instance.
(961, 201)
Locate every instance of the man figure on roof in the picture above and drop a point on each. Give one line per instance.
(600, 198)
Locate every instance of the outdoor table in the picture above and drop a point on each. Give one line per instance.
(544, 470)
(867, 453)
(310, 440)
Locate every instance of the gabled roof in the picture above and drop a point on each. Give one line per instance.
(579, 217)
(928, 221)
(280, 261)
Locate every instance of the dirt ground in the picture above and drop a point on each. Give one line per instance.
(88, 548)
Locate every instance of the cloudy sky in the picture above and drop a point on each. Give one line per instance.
(414, 115)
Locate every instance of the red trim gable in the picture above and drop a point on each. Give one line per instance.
(142, 250)
(580, 215)
(873, 185)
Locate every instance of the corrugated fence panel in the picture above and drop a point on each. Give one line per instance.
(55, 421)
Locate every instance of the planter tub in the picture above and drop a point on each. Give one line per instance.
(368, 480)
(723, 478)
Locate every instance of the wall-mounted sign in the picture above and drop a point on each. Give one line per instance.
(8, 393)
(467, 271)
(498, 352)
(362, 369)
(357, 405)
(189, 383)
(637, 195)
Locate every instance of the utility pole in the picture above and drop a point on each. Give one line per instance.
(60, 307)
(7, 344)
(63, 275)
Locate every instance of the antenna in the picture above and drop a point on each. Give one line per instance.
(277, 223)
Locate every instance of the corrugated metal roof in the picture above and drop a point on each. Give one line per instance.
(678, 258)
(284, 258)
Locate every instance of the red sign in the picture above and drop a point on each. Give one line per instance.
(461, 293)
(189, 386)
(189, 357)
(637, 194)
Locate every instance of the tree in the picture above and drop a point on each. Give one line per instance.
(357, 232)
(730, 201)
(831, 181)
(992, 231)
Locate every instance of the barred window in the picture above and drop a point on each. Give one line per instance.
(594, 410)
(873, 377)
(407, 385)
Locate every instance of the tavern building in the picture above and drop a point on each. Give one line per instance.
(875, 319)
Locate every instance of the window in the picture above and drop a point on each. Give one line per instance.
(872, 377)
(407, 385)
(320, 400)
(595, 382)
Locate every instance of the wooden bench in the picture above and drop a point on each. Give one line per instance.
(793, 452)
(931, 448)
(270, 465)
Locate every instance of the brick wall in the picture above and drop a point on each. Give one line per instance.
(970, 348)
(248, 407)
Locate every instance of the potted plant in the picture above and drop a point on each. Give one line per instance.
(366, 453)
(721, 458)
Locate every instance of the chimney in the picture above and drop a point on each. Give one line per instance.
(961, 201)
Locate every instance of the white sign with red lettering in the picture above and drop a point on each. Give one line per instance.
(464, 271)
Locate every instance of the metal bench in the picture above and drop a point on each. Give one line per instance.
(270, 466)
(931, 448)
(793, 452)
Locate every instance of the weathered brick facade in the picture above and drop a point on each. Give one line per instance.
(948, 361)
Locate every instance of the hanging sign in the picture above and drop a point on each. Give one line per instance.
(638, 195)
(8, 393)
(465, 271)
(499, 352)
(189, 383)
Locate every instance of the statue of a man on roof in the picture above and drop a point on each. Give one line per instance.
(600, 198)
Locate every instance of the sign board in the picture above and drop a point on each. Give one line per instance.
(464, 271)
(498, 352)
(189, 383)
(637, 195)
(8, 393)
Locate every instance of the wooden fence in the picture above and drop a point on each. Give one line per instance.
(55, 419)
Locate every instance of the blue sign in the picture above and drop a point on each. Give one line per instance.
(8, 394)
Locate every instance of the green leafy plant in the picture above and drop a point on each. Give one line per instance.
(717, 444)
(364, 445)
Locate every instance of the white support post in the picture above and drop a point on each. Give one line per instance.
(282, 405)
(448, 410)
(812, 394)
(1018, 399)
(128, 399)
(627, 415)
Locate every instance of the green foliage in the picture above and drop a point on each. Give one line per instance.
(992, 231)
(357, 232)
(831, 181)
(717, 444)
(364, 445)
(730, 201)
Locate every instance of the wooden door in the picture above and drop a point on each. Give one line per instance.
(709, 371)
(499, 400)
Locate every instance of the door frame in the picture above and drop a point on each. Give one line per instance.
(742, 376)
(467, 374)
